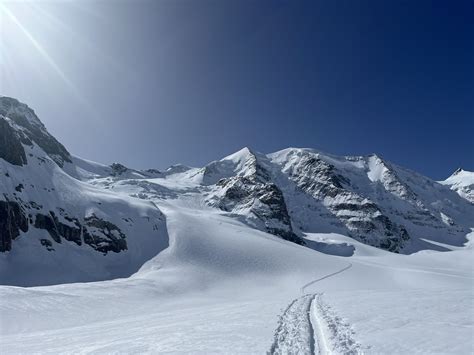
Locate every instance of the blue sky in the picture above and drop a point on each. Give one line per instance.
(153, 83)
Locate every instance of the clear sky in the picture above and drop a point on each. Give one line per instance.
(153, 83)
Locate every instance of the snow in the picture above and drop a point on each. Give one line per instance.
(30, 263)
(462, 181)
(221, 286)
(460, 177)
(206, 282)
(376, 169)
(295, 332)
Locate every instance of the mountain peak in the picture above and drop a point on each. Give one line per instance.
(457, 171)
(241, 154)
(19, 112)
(27, 127)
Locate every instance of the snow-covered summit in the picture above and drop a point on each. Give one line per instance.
(462, 181)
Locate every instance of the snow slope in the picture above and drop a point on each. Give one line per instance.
(221, 287)
(29, 262)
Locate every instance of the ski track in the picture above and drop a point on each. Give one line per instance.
(324, 277)
(294, 334)
(310, 326)
(332, 334)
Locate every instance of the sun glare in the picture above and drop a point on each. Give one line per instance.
(16, 29)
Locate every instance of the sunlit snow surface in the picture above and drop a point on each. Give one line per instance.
(221, 287)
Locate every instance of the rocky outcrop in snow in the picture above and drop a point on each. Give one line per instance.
(243, 186)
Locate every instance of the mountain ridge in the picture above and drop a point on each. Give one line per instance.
(67, 209)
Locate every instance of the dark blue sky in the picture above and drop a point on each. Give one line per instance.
(152, 83)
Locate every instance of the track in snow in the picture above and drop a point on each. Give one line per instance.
(309, 326)
(294, 334)
(304, 287)
(332, 334)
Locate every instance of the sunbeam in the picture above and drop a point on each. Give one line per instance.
(6, 14)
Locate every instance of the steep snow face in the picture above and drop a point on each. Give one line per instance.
(242, 163)
(382, 172)
(462, 182)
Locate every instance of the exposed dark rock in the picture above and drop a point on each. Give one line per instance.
(153, 172)
(19, 187)
(244, 191)
(33, 129)
(57, 229)
(11, 148)
(101, 235)
(104, 236)
(12, 221)
(47, 244)
(118, 169)
(361, 216)
(35, 205)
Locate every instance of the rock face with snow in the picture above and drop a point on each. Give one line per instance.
(49, 219)
(367, 198)
(29, 131)
(333, 189)
(94, 222)
(245, 188)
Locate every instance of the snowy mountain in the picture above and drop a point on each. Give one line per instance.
(56, 228)
(297, 191)
(297, 251)
(60, 212)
